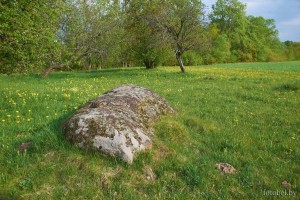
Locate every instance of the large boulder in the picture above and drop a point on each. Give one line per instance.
(117, 122)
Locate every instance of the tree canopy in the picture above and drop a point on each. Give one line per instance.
(93, 34)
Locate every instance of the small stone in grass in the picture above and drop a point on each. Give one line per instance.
(149, 173)
(226, 168)
(285, 184)
(24, 146)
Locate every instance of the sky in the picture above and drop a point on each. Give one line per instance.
(286, 14)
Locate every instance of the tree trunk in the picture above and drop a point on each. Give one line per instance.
(179, 60)
(149, 64)
(48, 70)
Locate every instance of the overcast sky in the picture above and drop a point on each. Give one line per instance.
(286, 14)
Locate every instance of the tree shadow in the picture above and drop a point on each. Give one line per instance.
(50, 137)
(91, 74)
(4, 196)
(110, 73)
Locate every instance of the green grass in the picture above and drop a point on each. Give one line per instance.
(243, 114)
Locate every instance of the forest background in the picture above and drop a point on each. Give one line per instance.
(37, 36)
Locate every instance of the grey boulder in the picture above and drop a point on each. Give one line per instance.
(117, 122)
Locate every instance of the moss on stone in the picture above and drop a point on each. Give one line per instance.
(117, 122)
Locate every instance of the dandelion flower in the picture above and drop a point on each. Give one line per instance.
(66, 95)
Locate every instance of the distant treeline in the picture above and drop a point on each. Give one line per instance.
(94, 34)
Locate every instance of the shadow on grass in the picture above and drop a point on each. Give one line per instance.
(112, 73)
(287, 88)
(50, 137)
(8, 197)
(94, 73)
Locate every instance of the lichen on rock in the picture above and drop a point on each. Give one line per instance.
(117, 122)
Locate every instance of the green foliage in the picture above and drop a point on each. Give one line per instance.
(89, 31)
(147, 43)
(243, 38)
(182, 22)
(82, 34)
(229, 16)
(28, 34)
(192, 58)
(221, 49)
(292, 50)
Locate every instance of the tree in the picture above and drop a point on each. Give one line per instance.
(292, 50)
(228, 15)
(182, 21)
(147, 42)
(28, 34)
(251, 38)
(221, 49)
(264, 37)
(88, 32)
(231, 19)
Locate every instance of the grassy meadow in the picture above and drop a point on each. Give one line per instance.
(243, 114)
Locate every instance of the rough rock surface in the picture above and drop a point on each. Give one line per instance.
(117, 122)
(226, 168)
(286, 184)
